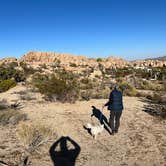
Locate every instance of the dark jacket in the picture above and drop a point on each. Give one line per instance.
(115, 102)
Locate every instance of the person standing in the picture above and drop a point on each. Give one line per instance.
(115, 105)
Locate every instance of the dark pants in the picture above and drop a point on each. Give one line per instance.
(115, 120)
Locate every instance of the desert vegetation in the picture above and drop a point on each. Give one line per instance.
(61, 86)
(10, 114)
(46, 89)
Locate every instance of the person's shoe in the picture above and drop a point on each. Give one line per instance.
(113, 132)
(116, 131)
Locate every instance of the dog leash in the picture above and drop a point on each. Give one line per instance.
(101, 114)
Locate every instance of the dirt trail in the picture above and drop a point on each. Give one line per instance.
(141, 139)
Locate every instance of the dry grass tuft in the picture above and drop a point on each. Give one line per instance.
(10, 116)
(35, 135)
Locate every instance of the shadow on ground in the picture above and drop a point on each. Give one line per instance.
(3, 163)
(64, 156)
(97, 113)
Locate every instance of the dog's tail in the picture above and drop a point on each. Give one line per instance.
(89, 126)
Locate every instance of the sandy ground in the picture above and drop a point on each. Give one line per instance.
(141, 139)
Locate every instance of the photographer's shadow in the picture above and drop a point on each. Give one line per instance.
(64, 156)
(101, 117)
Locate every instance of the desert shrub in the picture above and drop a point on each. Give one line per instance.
(95, 94)
(6, 72)
(101, 94)
(85, 80)
(35, 135)
(142, 73)
(9, 116)
(99, 60)
(28, 70)
(87, 72)
(127, 89)
(122, 72)
(3, 104)
(43, 66)
(163, 111)
(19, 76)
(27, 97)
(9, 72)
(119, 79)
(157, 98)
(73, 65)
(66, 75)
(62, 87)
(97, 76)
(86, 84)
(164, 85)
(6, 85)
(85, 95)
(13, 64)
(147, 85)
(56, 63)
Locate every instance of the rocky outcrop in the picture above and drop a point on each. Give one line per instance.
(70, 62)
(149, 63)
(49, 58)
(8, 60)
(162, 58)
(36, 58)
(116, 62)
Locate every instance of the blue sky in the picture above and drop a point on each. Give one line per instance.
(131, 29)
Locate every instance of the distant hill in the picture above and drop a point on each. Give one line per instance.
(69, 61)
(162, 58)
(35, 58)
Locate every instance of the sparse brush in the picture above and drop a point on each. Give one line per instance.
(3, 104)
(63, 87)
(27, 97)
(127, 89)
(11, 117)
(6, 85)
(85, 95)
(148, 85)
(34, 135)
(157, 98)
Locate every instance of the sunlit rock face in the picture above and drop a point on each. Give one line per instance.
(68, 59)
(8, 60)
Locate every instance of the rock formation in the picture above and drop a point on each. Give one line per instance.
(7, 60)
(149, 63)
(36, 58)
(69, 61)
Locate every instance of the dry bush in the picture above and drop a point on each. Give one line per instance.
(164, 86)
(163, 111)
(100, 93)
(27, 97)
(95, 94)
(148, 85)
(34, 135)
(127, 89)
(62, 87)
(9, 71)
(157, 98)
(6, 85)
(85, 95)
(9, 116)
(3, 104)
